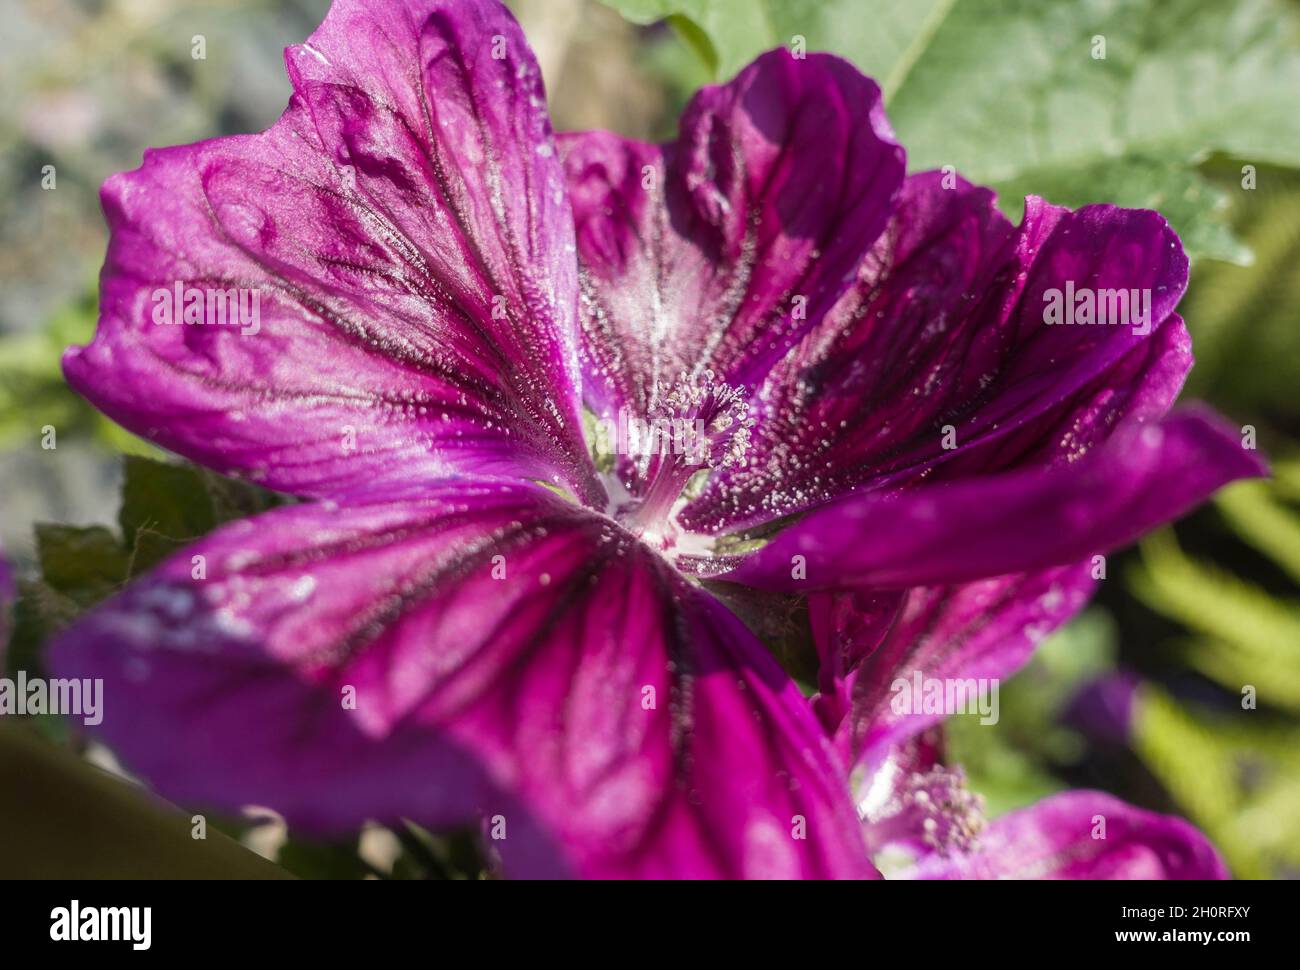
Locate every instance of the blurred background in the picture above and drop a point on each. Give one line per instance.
(1178, 689)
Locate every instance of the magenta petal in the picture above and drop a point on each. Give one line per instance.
(1017, 521)
(976, 631)
(693, 255)
(1058, 839)
(847, 627)
(405, 230)
(1140, 387)
(945, 328)
(510, 654)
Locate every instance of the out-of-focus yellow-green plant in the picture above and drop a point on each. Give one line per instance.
(34, 394)
(1237, 775)
(1245, 320)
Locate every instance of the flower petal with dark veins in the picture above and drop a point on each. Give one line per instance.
(720, 250)
(976, 631)
(405, 230)
(1017, 521)
(477, 650)
(945, 329)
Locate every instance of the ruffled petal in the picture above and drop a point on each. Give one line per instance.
(847, 627)
(719, 251)
(1081, 835)
(945, 329)
(949, 636)
(483, 652)
(1018, 521)
(872, 647)
(405, 231)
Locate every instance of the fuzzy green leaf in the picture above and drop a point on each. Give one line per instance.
(1017, 94)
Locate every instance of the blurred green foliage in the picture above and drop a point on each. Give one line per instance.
(34, 394)
(1246, 319)
(1235, 768)
(1098, 101)
(71, 820)
(164, 507)
(1010, 764)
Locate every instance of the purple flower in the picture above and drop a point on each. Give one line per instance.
(919, 818)
(476, 620)
(1105, 708)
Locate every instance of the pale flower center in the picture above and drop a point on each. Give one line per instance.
(934, 807)
(695, 424)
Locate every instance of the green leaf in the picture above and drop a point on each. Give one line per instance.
(1243, 317)
(1237, 779)
(1246, 635)
(1235, 666)
(455, 854)
(150, 548)
(234, 499)
(321, 860)
(1195, 206)
(167, 499)
(85, 564)
(728, 34)
(1286, 479)
(1187, 757)
(1268, 525)
(66, 819)
(1011, 94)
(166, 505)
(33, 392)
(1210, 600)
(40, 612)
